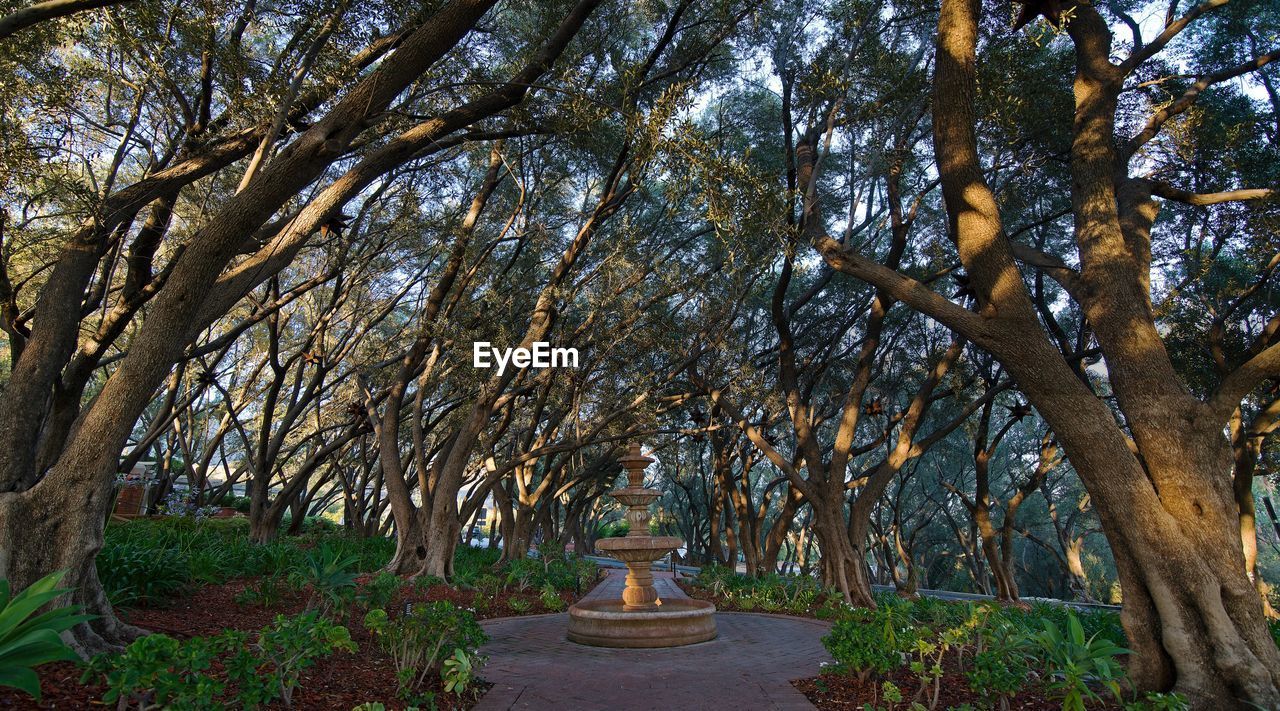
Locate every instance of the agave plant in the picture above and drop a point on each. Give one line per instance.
(331, 576)
(28, 639)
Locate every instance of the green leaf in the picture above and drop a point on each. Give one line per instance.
(23, 679)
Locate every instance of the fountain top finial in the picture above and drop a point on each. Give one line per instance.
(635, 464)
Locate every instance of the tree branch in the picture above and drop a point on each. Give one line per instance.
(1171, 30)
(19, 20)
(1188, 98)
(1169, 192)
(1243, 380)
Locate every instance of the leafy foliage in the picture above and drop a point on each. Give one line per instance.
(158, 670)
(420, 639)
(459, 670)
(1072, 660)
(28, 639)
(145, 561)
(330, 576)
(866, 641)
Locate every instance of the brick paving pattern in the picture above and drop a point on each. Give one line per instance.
(748, 666)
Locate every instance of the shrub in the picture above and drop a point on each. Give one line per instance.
(472, 562)
(770, 593)
(870, 640)
(380, 591)
(995, 678)
(459, 670)
(284, 650)
(551, 599)
(158, 671)
(215, 550)
(419, 640)
(1072, 660)
(267, 592)
(1002, 656)
(519, 605)
(135, 575)
(520, 573)
(330, 576)
(27, 639)
(1103, 624)
(488, 585)
(612, 530)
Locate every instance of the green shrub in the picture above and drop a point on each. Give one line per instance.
(471, 562)
(135, 575)
(560, 571)
(864, 640)
(27, 639)
(519, 605)
(158, 671)
(994, 677)
(520, 574)
(379, 591)
(420, 640)
(551, 599)
(283, 651)
(612, 530)
(1103, 624)
(1072, 660)
(459, 670)
(331, 577)
(216, 550)
(770, 593)
(267, 592)
(489, 585)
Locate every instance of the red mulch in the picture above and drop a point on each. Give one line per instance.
(835, 691)
(339, 682)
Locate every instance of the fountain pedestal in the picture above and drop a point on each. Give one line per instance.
(640, 618)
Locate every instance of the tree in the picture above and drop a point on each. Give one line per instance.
(1192, 616)
(195, 291)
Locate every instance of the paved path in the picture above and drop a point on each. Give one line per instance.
(748, 666)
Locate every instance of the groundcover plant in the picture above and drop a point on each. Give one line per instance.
(940, 340)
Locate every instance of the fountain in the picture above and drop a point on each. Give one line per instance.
(640, 618)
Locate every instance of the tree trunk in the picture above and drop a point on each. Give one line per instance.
(844, 565)
(410, 552)
(52, 535)
(1247, 444)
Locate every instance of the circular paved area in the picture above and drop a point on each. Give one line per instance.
(748, 666)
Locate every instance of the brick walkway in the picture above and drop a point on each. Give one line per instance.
(748, 667)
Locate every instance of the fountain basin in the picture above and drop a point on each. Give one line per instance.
(635, 496)
(636, 549)
(674, 623)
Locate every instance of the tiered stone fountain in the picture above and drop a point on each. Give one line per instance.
(640, 618)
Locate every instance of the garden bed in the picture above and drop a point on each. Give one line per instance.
(944, 654)
(842, 691)
(341, 682)
(163, 582)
